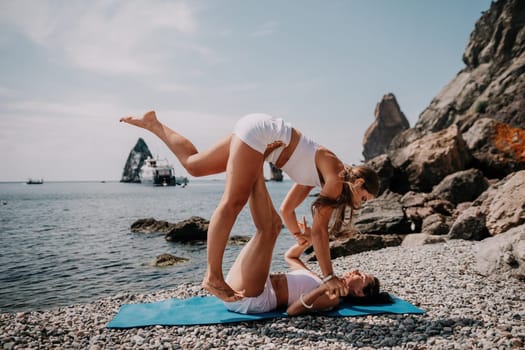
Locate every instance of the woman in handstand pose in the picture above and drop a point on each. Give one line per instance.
(298, 291)
(256, 138)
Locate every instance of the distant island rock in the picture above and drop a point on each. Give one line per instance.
(136, 159)
(277, 174)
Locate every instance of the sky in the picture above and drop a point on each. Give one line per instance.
(70, 69)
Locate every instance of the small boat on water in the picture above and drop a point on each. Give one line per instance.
(158, 172)
(35, 181)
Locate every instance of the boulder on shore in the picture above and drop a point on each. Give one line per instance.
(502, 253)
(166, 259)
(192, 230)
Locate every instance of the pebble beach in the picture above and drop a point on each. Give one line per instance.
(463, 311)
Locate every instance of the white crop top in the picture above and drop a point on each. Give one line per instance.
(301, 166)
(300, 282)
(258, 130)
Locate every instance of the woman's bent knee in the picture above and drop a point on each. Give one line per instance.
(273, 230)
(232, 205)
(196, 170)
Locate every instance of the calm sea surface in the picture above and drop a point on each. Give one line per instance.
(67, 243)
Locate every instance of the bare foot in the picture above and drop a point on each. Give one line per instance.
(221, 290)
(148, 121)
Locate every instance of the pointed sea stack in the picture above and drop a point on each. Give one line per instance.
(136, 159)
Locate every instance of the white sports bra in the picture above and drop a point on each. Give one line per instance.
(301, 166)
(300, 282)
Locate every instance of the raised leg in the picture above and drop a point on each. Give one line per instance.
(252, 266)
(244, 167)
(211, 161)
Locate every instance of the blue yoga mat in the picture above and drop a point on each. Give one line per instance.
(210, 310)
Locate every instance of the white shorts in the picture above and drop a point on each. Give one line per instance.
(258, 130)
(264, 302)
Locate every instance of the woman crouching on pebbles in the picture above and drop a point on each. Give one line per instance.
(299, 291)
(257, 138)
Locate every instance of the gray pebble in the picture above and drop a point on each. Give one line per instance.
(463, 311)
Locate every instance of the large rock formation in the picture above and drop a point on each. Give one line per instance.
(136, 159)
(425, 162)
(493, 82)
(389, 121)
(460, 171)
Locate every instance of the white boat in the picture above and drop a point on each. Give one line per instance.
(35, 181)
(158, 172)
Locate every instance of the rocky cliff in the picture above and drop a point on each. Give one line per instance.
(493, 82)
(135, 160)
(459, 172)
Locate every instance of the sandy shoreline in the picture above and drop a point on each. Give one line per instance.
(463, 311)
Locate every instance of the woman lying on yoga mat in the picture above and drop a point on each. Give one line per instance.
(300, 290)
(257, 138)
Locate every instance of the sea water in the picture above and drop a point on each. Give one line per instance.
(65, 243)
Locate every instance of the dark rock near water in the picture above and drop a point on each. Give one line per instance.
(167, 260)
(192, 230)
(238, 239)
(136, 159)
(150, 225)
(277, 174)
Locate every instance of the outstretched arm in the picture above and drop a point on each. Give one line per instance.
(292, 256)
(294, 198)
(304, 240)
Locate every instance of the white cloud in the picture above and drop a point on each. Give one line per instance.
(35, 107)
(6, 92)
(266, 29)
(110, 37)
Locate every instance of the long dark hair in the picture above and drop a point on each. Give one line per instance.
(373, 295)
(347, 198)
